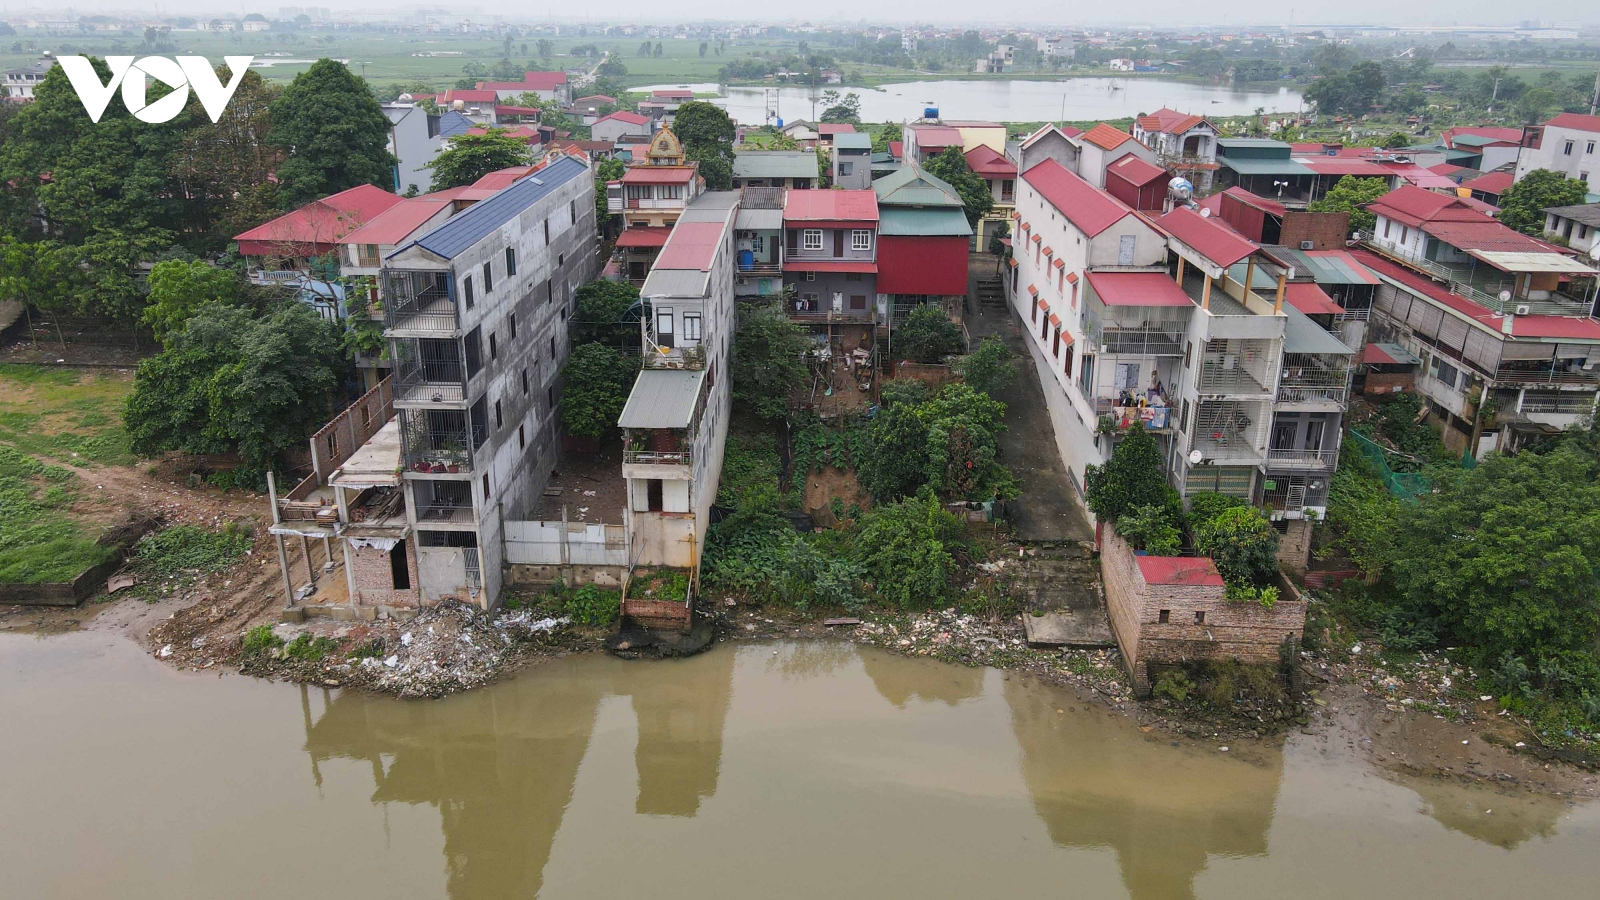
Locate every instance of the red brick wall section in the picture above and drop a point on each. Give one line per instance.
(374, 579)
(1247, 632)
(1294, 546)
(335, 441)
(1325, 230)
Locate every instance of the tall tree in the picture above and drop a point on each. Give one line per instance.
(472, 156)
(335, 133)
(768, 360)
(178, 289)
(707, 134)
(951, 167)
(594, 388)
(891, 131)
(1523, 204)
(1131, 478)
(1351, 194)
(232, 381)
(227, 168)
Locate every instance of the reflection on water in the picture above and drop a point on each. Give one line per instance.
(798, 770)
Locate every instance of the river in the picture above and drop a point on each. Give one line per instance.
(791, 770)
(1071, 99)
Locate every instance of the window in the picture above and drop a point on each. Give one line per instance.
(664, 324)
(1055, 345)
(691, 326)
(1164, 616)
(1567, 150)
(499, 417)
(1385, 227)
(474, 351)
(488, 279)
(811, 276)
(852, 276)
(511, 261)
(845, 168)
(1200, 617)
(486, 486)
(494, 348)
(811, 239)
(524, 382)
(466, 290)
(1588, 149)
(522, 437)
(550, 396)
(552, 348)
(513, 326)
(547, 232)
(480, 419)
(572, 210)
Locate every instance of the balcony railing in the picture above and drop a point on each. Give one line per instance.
(419, 301)
(1306, 381)
(429, 371)
(1154, 418)
(1576, 403)
(1216, 379)
(762, 269)
(436, 442)
(1545, 373)
(1302, 459)
(1139, 341)
(867, 315)
(658, 457)
(1296, 492)
(446, 515)
(1453, 281)
(658, 357)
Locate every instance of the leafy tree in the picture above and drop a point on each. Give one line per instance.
(1362, 515)
(891, 131)
(948, 442)
(707, 135)
(595, 384)
(472, 156)
(34, 273)
(607, 313)
(928, 335)
(605, 170)
(335, 133)
(611, 68)
(178, 289)
(232, 381)
(904, 549)
(951, 167)
(1207, 505)
(1523, 204)
(1535, 104)
(841, 109)
(1242, 543)
(703, 48)
(225, 168)
(1131, 478)
(1396, 141)
(990, 367)
(1351, 194)
(1151, 528)
(768, 360)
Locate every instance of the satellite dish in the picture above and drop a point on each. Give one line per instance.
(1195, 456)
(1205, 212)
(1505, 296)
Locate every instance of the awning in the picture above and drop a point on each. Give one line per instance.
(1309, 298)
(830, 265)
(644, 236)
(1301, 335)
(1531, 262)
(1387, 354)
(662, 398)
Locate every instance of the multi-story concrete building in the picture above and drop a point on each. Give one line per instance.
(1579, 226)
(650, 197)
(475, 313)
(830, 255)
(22, 82)
(1184, 143)
(1498, 320)
(1131, 319)
(675, 422)
(852, 161)
(1568, 143)
(1000, 172)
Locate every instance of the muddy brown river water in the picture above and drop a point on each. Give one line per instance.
(792, 770)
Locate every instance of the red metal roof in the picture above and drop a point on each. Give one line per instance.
(644, 236)
(1087, 207)
(691, 245)
(897, 149)
(531, 81)
(468, 96)
(1417, 175)
(930, 137)
(1496, 133)
(829, 265)
(620, 115)
(394, 224)
(1491, 183)
(830, 206)
(935, 265)
(1576, 121)
(1575, 327)
(986, 161)
(503, 109)
(1376, 355)
(1485, 234)
(1106, 137)
(674, 94)
(660, 175)
(1448, 169)
(601, 97)
(501, 179)
(1255, 200)
(1215, 242)
(1341, 166)
(1170, 121)
(1135, 171)
(1483, 206)
(1346, 262)
(1138, 289)
(827, 128)
(1184, 570)
(320, 222)
(1309, 298)
(1410, 205)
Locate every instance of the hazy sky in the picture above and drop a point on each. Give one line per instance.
(1023, 13)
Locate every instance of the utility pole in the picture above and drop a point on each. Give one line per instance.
(1594, 99)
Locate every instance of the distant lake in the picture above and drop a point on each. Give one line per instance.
(1008, 101)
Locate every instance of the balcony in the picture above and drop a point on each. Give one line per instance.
(1543, 371)
(1320, 460)
(844, 316)
(1231, 431)
(658, 457)
(1296, 493)
(419, 302)
(437, 442)
(1121, 418)
(658, 357)
(446, 515)
(1310, 379)
(1231, 368)
(429, 370)
(1482, 285)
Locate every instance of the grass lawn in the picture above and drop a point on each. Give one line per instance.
(69, 415)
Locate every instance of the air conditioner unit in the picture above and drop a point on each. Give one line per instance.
(1523, 309)
(741, 280)
(1308, 245)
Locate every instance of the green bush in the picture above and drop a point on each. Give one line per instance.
(1173, 685)
(308, 648)
(1132, 477)
(905, 550)
(928, 336)
(593, 605)
(1242, 543)
(1207, 505)
(1152, 529)
(260, 639)
(185, 548)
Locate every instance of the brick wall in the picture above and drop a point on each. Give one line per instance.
(1294, 546)
(334, 442)
(1326, 230)
(374, 578)
(1247, 632)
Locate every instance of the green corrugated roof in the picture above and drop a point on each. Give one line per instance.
(947, 221)
(1248, 166)
(1252, 148)
(1324, 269)
(1475, 140)
(912, 186)
(774, 164)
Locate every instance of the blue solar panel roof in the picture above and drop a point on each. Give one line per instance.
(482, 218)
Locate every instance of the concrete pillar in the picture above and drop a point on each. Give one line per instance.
(305, 548)
(283, 566)
(349, 572)
(1277, 304)
(1205, 295)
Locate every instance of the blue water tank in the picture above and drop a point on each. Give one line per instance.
(930, 112)
(747, 260)
(780, 124)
